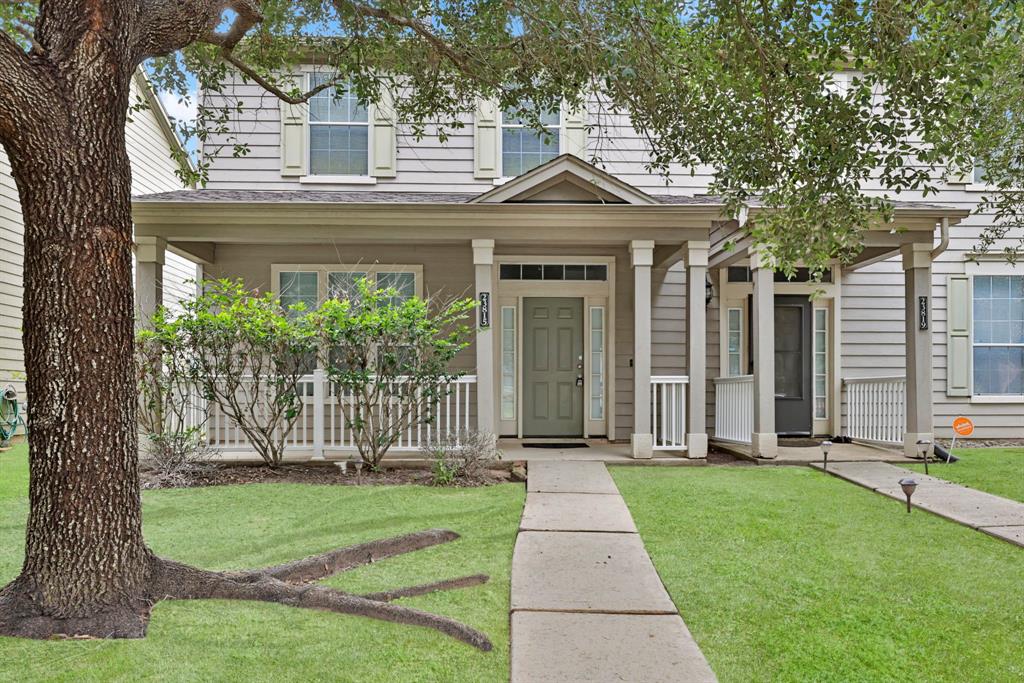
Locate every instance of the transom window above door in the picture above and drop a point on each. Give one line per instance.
(592, 272)
(312, 284)
(523, 147)
(339, 131)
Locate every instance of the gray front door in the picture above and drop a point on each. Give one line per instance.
(793, 396)
(552, 364)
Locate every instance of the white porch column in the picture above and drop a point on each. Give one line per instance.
(483, 261)
(149, 277)
(642, 256)
(764, 440)
(917, 277)
(696, 348)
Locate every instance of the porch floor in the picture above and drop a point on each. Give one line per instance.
(513, 450)
(792, 455)
(620, 453)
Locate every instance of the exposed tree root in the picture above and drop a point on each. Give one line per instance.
(423, 589)
(286, 584)
(327, 564)
(289, 584)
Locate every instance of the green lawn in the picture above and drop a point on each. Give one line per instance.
(260, 524)
(787, 574)
(995, 470)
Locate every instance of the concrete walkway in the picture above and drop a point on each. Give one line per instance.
(999, 517)
(587, 603)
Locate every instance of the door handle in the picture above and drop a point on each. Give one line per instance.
(579, 380)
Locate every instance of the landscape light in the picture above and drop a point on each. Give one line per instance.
(908, 485)
(924, 447)
(825, 447)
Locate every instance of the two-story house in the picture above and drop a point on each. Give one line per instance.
(610, 307)
(150, 139)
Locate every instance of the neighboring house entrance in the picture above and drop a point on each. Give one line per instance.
(793, 356)
(553, 370)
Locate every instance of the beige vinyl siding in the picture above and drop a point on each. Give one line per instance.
(873, 327)
(152, 171)
(12, 370)
(872, 298)
(426, 165)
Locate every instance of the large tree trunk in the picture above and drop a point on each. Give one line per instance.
(87, 571)
(86, 564)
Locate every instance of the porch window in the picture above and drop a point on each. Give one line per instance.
(508, 362)
(339, 131)
(820, 363)
(999, 335)
(597, 355)
(321, 282)
(735, 341)
(524, 148)
(299, 287)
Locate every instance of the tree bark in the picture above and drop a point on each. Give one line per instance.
(86, 564)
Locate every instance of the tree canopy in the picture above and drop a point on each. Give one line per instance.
(745, 87)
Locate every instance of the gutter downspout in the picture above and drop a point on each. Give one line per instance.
(943, 239)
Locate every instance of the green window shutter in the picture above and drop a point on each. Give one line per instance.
(486, 140)
(294, 154)
(576, 130)
(958, 335)
(384, 139)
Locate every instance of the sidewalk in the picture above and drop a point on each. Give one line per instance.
(587, 603)
(996, 516)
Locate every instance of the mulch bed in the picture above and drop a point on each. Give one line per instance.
(323, 475)
(723, 459)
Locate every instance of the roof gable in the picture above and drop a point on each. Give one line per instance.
(565, 179)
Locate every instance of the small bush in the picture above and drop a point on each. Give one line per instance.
(175, 459)
(462, 459)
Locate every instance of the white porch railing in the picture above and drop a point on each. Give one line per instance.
(876, 408)
(323, 424)
(734, 408)
(668, 412)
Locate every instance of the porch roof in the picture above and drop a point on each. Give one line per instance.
(294, 197)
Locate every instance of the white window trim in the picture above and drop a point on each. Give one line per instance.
(990, 268)
(560, 127)
(312, 178)
(515, 363)
(601, 370)
(814, 367)
(323, 270)
(337, 180)
(728, 315)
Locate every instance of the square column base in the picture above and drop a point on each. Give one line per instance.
(643, 445)
(910, 440)
(697, 445)
(764, 445)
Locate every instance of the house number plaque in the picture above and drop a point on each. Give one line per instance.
(485, 309)
(922, 313)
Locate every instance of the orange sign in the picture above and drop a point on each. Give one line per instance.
(963, 426)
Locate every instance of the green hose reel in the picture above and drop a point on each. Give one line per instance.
(10, 415)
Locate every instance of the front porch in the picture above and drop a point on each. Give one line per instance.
(780, 356)
(564, 263)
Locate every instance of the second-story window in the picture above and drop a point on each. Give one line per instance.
(523, 147)
(339, 132)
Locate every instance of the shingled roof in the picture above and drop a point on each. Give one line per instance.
(346, 197)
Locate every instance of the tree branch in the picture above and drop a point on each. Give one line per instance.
(417, 26)
(247, 15)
